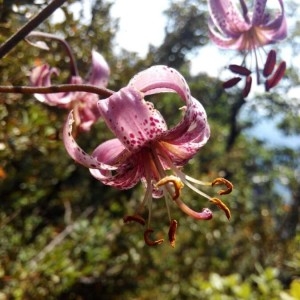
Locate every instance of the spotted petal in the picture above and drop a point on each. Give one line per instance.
(227, 18)
(258, 12)
(184, 141)
(129, 169)
(276, 29)
(133, 120)
(193, 131)
(41, 76)
(76, 152)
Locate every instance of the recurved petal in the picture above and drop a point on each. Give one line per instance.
(133, 120)
(100, 71)
(111, 152)
(129, 169)
(275, 31)
(227, 18)
(258, 12)
(184, 140)
(159, 79)
(76, 152)
(271, 35)
(193, 130)
(224, 41)
(41, 76)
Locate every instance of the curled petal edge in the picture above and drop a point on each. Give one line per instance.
(76, 152)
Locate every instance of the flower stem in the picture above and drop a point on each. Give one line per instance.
(57, 89)
(73, 66)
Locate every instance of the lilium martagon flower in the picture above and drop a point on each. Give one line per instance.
(84, 104)
(145, 149)
(234, 27)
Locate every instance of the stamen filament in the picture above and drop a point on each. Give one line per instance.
(184, 178)
(146, 198)
(194, 180)
(162, 174)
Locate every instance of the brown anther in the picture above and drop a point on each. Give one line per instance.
(222, 206)
(231, 82)
(177, 183)
(247, 87)
(224, 181)
(172, 232)
(135, 218)
(148, 241)
(270, 63)
(277, 76)
(239, 70)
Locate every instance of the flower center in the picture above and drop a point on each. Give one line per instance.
(160, 184)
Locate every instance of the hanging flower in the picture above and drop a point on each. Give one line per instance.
(84, 104)
(234, 28)
(146, 150)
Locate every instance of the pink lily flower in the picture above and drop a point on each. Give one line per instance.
(231, 28)
(145, 149)
(84, 104)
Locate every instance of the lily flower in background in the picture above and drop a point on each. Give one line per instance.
(84, 104)
(234, 27)
(145, 149)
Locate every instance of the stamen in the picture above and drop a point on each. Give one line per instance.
(277, 76)
(231, 82)
(224, 181)
(247, 87)
(172, 232)
(270, 63)
(205, 214)
(239, 70)
(148, 241)
(135, 218)
(222, 206)
(177, 183)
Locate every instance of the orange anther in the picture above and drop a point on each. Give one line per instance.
(135, 218)
(224, 181)
(178, 185)
(222, 206)
(172, 232)
(147, 239)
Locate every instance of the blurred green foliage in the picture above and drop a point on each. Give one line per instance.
(62, 234)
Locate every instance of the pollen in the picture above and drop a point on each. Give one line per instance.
(176, 181)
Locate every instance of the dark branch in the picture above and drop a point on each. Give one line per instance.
(57, 89)
(29, 26)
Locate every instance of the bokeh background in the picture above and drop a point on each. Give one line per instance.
(62, 234)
